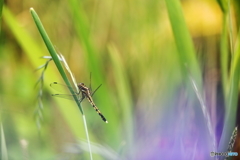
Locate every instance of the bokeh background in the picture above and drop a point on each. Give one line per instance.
(128, 47)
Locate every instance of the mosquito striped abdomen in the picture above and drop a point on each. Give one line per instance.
(100, 114)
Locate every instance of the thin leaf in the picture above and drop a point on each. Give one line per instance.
(1, 6)
(185, 47)
(124, 93)
(232, 98)
(70, 72)
(224, 55)
(53, 53)
(57, 62)
(33, 51)
(223, 5)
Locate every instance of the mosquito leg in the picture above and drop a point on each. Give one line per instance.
(96, 89)
(90, 86)
(82, 98)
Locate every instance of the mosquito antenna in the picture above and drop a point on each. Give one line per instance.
(90, 87)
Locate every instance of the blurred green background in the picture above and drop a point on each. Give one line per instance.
(135, 50)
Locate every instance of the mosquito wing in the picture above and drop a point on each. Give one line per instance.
(65, 96)
(61, 87)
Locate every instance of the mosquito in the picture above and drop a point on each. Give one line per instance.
(85, 93)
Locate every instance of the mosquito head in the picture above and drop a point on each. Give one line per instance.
(81, 85)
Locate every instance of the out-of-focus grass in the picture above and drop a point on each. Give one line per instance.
(124, 94)
(92, 58)
(231, 82)
(224, 54)
(232, 96)
(184, 43)
(4, 154)
(34, 55)
(223, 4)
(1, 6)
(189, 67)
(145, 96)
(56, 59)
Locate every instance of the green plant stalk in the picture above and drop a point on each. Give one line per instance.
(223, 5)
(183, 41)
(232, 98)
(94, 65)
(33, 55)
(124, 95)
(224, 56)
(22, 36)
(86, 131)
(82, 30)
(230, 26)
(1, 6)
(187, 57)
(53, 54)
(231, 87)
(25, 40)
(56, 60)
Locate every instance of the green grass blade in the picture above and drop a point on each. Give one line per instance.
(187, 57)
(56, 60)
(224, 55)
(124, 94)
(224, 48)
(87, 135)
(223, 5)
(183, 40)
(53, 53)
(33, 52)
(22, 37)
(94, 65)
(1, 6)
(82, 30)
(4, 154)
(232, 98)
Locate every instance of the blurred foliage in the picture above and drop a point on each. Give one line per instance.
(142, 52)
(236, 5)
(223, 4)
(1, 6)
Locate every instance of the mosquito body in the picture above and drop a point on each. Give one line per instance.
(85, 93)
